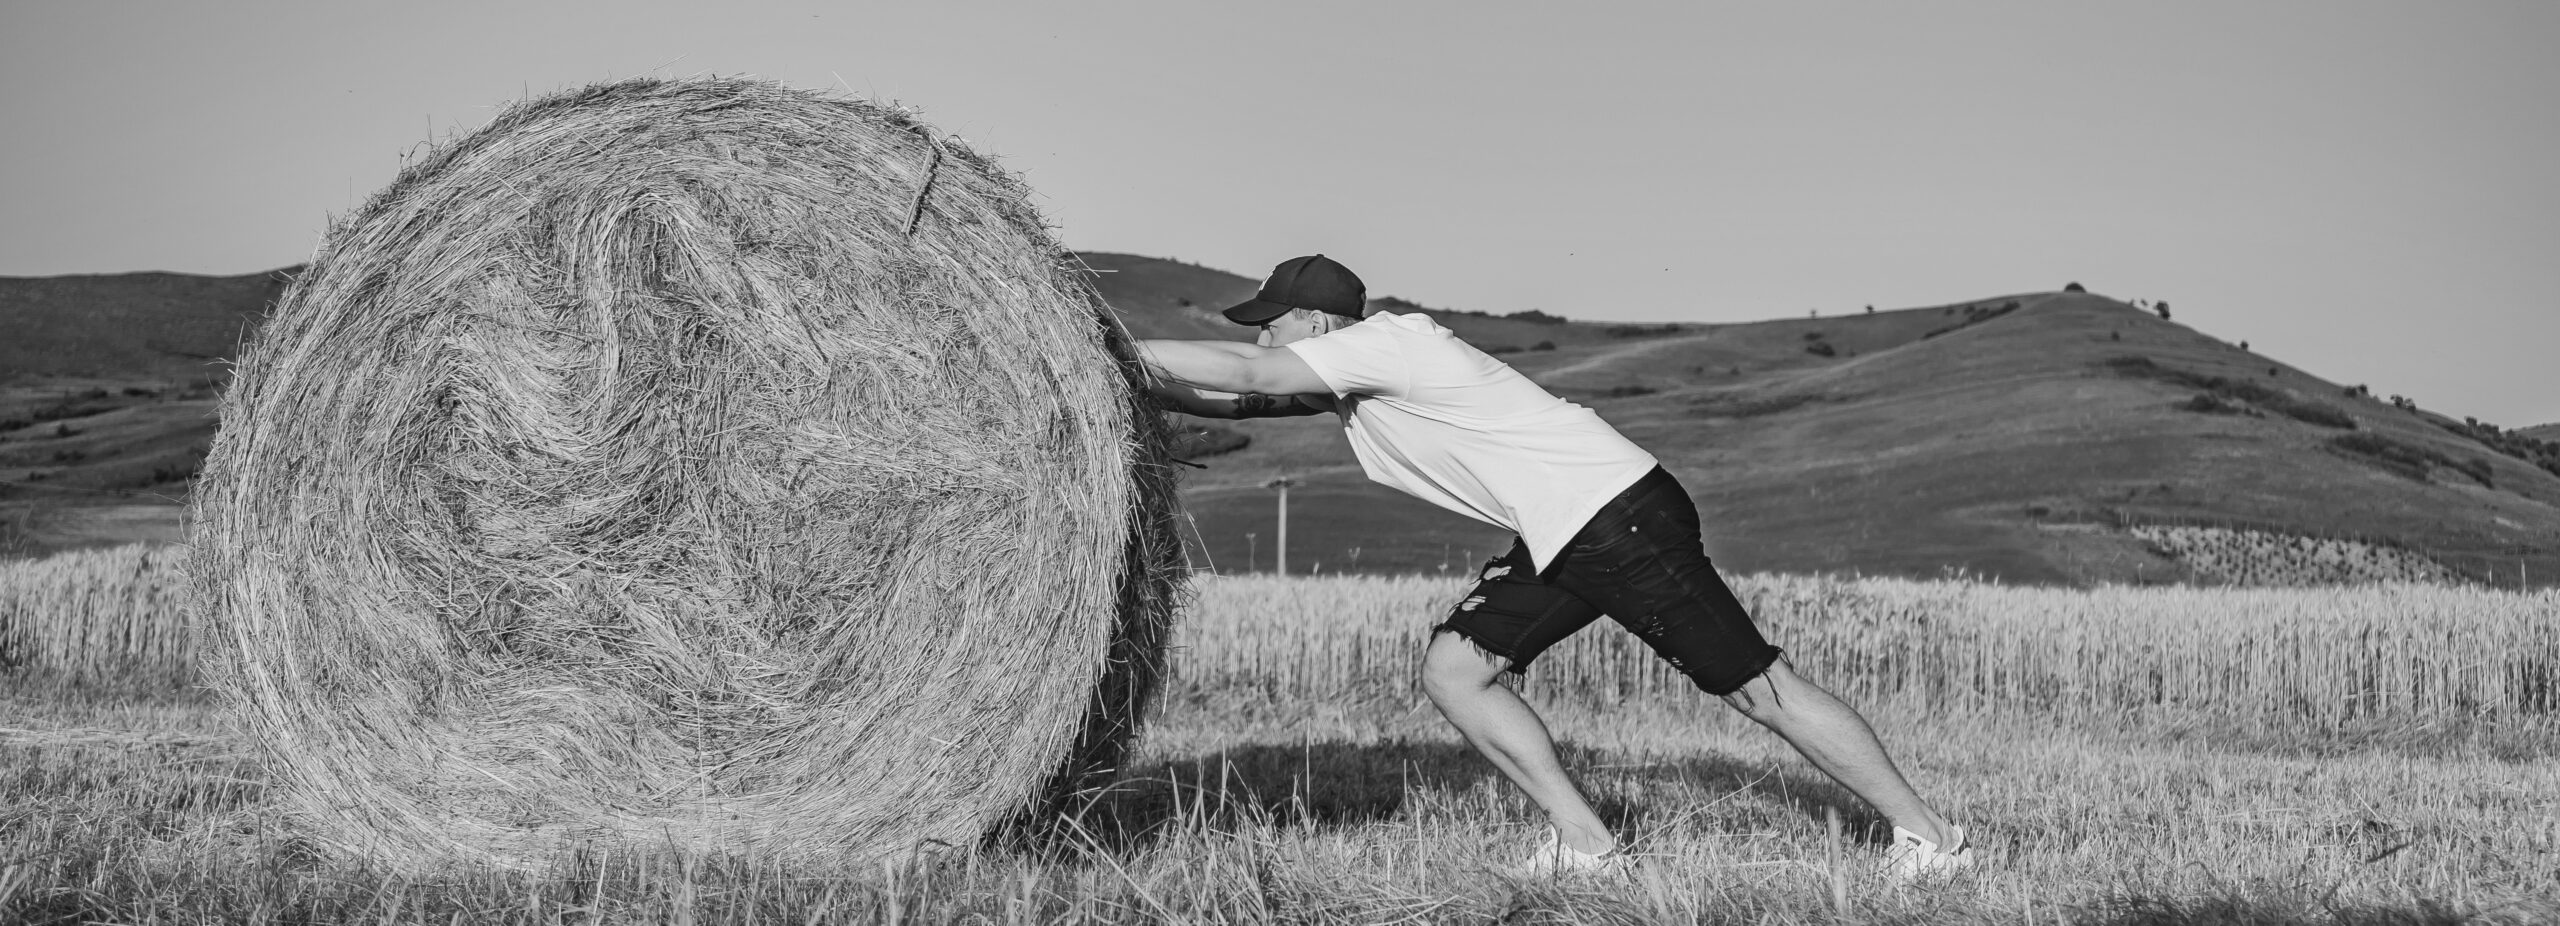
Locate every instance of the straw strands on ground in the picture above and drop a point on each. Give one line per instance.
(699, 464)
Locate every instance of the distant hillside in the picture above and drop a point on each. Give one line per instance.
(1176, 300)
(107, 386)
(2017, 436)
(171, 326)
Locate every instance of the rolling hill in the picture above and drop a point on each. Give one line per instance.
(2015, 437)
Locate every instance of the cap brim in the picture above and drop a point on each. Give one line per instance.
(1256, 311)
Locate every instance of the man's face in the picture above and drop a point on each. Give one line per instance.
(1297, 325)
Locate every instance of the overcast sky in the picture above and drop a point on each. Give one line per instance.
(2367, 191)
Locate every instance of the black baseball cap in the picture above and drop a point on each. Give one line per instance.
(1311, 282)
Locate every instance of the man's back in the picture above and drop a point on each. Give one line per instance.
(1432, 416)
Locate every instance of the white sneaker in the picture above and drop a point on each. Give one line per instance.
(1913, 859)
(1554, 859)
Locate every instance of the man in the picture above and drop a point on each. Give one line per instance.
(1602, 529)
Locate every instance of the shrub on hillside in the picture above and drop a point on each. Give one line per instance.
(2476, 468)
(1533, 315)
(2211, 404)
(1821, 349)
(1543, 345)
(2274, 400)
(2405, 458)
(2162, 308)
(2074, 287)
(2543, 454)
(1975, 315)
(2308, 412)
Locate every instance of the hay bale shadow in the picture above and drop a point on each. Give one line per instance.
(1808, 795)
(1323, 784)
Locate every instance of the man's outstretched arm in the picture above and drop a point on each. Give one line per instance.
(1211, 404)
(1230, 367)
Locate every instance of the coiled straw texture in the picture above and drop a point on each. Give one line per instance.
(698, 464)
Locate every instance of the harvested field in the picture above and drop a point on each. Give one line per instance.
(1292, 776)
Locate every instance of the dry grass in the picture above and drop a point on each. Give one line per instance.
(697, 463)
(2304, 659)
(97, 621)
(2309, 658)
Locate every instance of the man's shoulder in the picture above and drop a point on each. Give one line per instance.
(1413, 322)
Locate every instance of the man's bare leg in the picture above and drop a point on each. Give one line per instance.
(1460, 680)
(1838, 741)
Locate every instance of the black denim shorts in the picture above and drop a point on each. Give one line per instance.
(1641, 561)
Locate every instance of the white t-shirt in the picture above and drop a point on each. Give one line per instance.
(1443, 422)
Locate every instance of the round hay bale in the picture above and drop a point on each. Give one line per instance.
(697, 464)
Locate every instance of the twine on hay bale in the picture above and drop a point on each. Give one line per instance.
(699, 464)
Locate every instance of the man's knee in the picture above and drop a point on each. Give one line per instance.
(1763, 695)
(1454, 664)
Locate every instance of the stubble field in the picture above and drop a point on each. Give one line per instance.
(2368, 754)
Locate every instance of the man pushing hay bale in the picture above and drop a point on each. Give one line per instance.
(697, 464)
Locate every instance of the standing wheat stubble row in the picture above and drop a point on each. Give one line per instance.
(1602, 529)
(2255, 661)
(2300, 659)
(107, 621)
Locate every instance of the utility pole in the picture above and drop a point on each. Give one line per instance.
(1282, 553)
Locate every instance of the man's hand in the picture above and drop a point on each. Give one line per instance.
(1233, 368)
